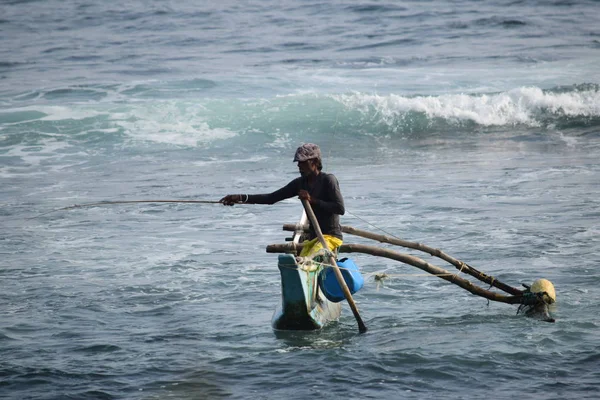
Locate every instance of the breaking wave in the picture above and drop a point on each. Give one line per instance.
(200, 122)
(527, 106)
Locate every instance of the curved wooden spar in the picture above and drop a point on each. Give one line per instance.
(461, 266)
(432, 269)
(362, 328)
(416, 262)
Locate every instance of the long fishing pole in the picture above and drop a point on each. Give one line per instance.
(362, 328)
(106, 203)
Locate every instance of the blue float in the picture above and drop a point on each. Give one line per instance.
(330, 285)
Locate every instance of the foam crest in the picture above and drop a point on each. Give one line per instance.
(26, 114)
(59, 113)
(529, 106)
(34, 160)
(169, 122)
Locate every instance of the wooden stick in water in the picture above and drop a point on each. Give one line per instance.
(362, 328)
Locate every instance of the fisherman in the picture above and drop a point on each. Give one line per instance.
(320, 189)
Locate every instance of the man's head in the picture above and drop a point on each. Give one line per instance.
(308, 157)
(307, 151)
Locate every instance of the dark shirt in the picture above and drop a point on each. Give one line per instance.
(328, 203)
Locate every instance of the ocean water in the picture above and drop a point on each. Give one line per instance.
(473, 127)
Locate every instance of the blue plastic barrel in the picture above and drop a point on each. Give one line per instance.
(330, 286)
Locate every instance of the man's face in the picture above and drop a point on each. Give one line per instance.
(307, 167)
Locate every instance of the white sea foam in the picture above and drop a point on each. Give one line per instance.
(518, 106)
(236, 160)
(177, 133)
(570, 141)
(58, 113)
(162, 122)
(169, 122)
(592, 233)
(41, 159)
(54, 113)
(34, 156)
(281, 141)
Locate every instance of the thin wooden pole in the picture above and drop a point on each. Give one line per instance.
(362, 328)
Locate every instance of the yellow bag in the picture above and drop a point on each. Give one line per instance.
(313, 246)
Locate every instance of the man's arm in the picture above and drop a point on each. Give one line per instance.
(289, 190)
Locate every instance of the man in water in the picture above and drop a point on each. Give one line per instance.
(320, 189)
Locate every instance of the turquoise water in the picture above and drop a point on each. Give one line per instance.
(469, 127)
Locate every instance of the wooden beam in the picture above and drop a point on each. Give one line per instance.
(416, 262)
(461, 266)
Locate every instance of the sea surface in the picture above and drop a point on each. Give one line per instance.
(468, 126)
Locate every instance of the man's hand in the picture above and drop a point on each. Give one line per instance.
(231, 199)
(304, 195)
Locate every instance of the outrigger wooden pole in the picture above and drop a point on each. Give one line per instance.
(461, 266)
(362, 328)
(415, 262)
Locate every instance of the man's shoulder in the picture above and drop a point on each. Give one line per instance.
(296, 182)
(326, 177)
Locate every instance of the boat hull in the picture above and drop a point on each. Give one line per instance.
(303, 305)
